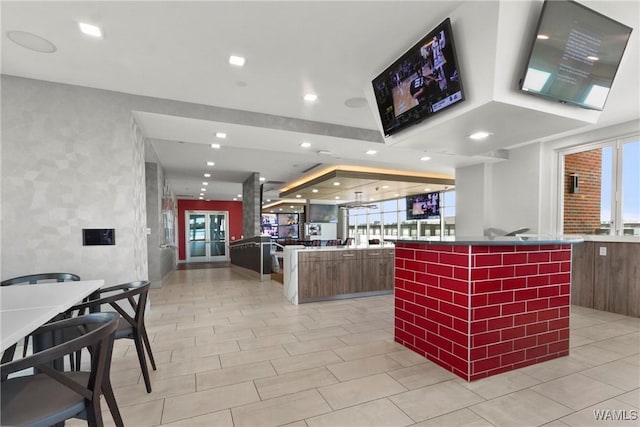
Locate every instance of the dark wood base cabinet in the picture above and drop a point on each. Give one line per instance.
(606, 276)
(327, 274)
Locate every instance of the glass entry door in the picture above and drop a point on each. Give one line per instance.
(207, 237)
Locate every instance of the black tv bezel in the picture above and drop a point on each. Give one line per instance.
(409, 202)
(533, 44)
(419, 117)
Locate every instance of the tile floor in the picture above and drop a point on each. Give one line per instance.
(232, 351)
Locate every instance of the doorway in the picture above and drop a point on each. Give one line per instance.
(207, 237)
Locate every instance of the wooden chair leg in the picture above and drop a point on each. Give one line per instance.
(143, 363)
(148, 346)
(107, 392)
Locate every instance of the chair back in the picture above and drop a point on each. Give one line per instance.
(94, 331)
(115, 296)
(35, 278)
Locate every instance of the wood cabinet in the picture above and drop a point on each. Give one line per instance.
(326, 274)
(606, 276)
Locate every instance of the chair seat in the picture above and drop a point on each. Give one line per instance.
(40, 400)
(125, 330)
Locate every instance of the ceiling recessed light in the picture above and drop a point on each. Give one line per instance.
(268, 200)
(385, 186)
(207, 175)
(202, 194)
(593, 58)
(236, 60)
(280, 209)
(336, 183)
(31, 41)
(298, 196)
(216, 146)
(205, 183)
(337, 197)
(315, 190)
(310, 97)
(239, 195)
(220, 135)
(200, 198)
(90, 30)
(543, 37)
(479, 135)
(396, 195)
(263, 179)
(305, 145)
(203, 189)
(427, 189)
(371, 152)
(425, 158)
(210, 163)
(234, 199)
(291, 207)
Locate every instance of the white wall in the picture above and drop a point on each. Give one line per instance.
(471, 200)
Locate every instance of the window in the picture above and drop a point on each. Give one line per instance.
(601, 188)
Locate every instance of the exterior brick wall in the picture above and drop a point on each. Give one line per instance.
(482, 310)
(582, 209)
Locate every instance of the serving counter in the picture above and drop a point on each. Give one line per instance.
(480, 306)
(326, 273)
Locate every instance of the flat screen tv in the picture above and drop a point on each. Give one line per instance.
(269, 225)
(323, 213)
(423, 206)
(575, 55)
(422, 82)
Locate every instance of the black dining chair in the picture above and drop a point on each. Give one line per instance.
(49, 396)
(131, 327)
(32, 279)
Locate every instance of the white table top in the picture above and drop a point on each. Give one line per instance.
(23, 308)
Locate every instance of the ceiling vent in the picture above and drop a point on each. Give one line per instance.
(312, 167)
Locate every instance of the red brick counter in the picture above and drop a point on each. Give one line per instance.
(479, 309)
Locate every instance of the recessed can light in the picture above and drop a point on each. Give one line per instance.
(425, 158)
(203, 189)
(336, 183)
(542, 37)
(305, 145)
(268, 200)
(90, 30)
(216, 146)
(315, 190)
(234, 199)
(371, 152)
(205, 183)
(479, 135)
(385, 186)
(298, 196)
(207, 175)
(210, 163)
(236, 60)
(337, 197)
(263, 179)
(220, 135)
(200, 198)
(239, 195)
(310, 97)
(427, 189)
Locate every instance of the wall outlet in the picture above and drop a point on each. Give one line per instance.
(603, 251)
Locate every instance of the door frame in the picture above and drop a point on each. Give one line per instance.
(208, 257)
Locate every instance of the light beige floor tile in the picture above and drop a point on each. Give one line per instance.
(281, 410)
(592, 355)
(211, 400)
(251, 356)
(253, 343)
(612, 412)
(631, 398)
(214, 419)
(264, 331)
(555, 423)
(633, 360)
(577, 341)
(324, 332)
(578, 321)
(124, 377)
(141, 414)
(555, 368)
(407, 357)
(377, 413)
(184, 367)
(171, 344)
(619, 374)
(137, 393)
(460, 418)
(368, 336)
(294, 382)
(346, 371)
(328, 343)
(234, 375)
(604, 331)
(626, 345)
(435, 400)
(524, 407)
(577, 391)
(499, 385)
(305, 361)
(289, 320)
(300, 423)
(424, 374)
(355, 328)
(219, 337)
(204, 350)
(361, 390)
(367, 350)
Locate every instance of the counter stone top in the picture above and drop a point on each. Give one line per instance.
(522, 239)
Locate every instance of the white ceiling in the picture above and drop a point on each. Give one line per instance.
(179, 51)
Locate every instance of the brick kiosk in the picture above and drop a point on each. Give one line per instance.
(479, 307)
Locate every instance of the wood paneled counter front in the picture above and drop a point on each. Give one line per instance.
(316, 274)
(479, 307)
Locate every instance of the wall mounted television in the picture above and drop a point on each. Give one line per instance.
(323, 213)
(575, 55)
(423, 206)
(422, 82)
